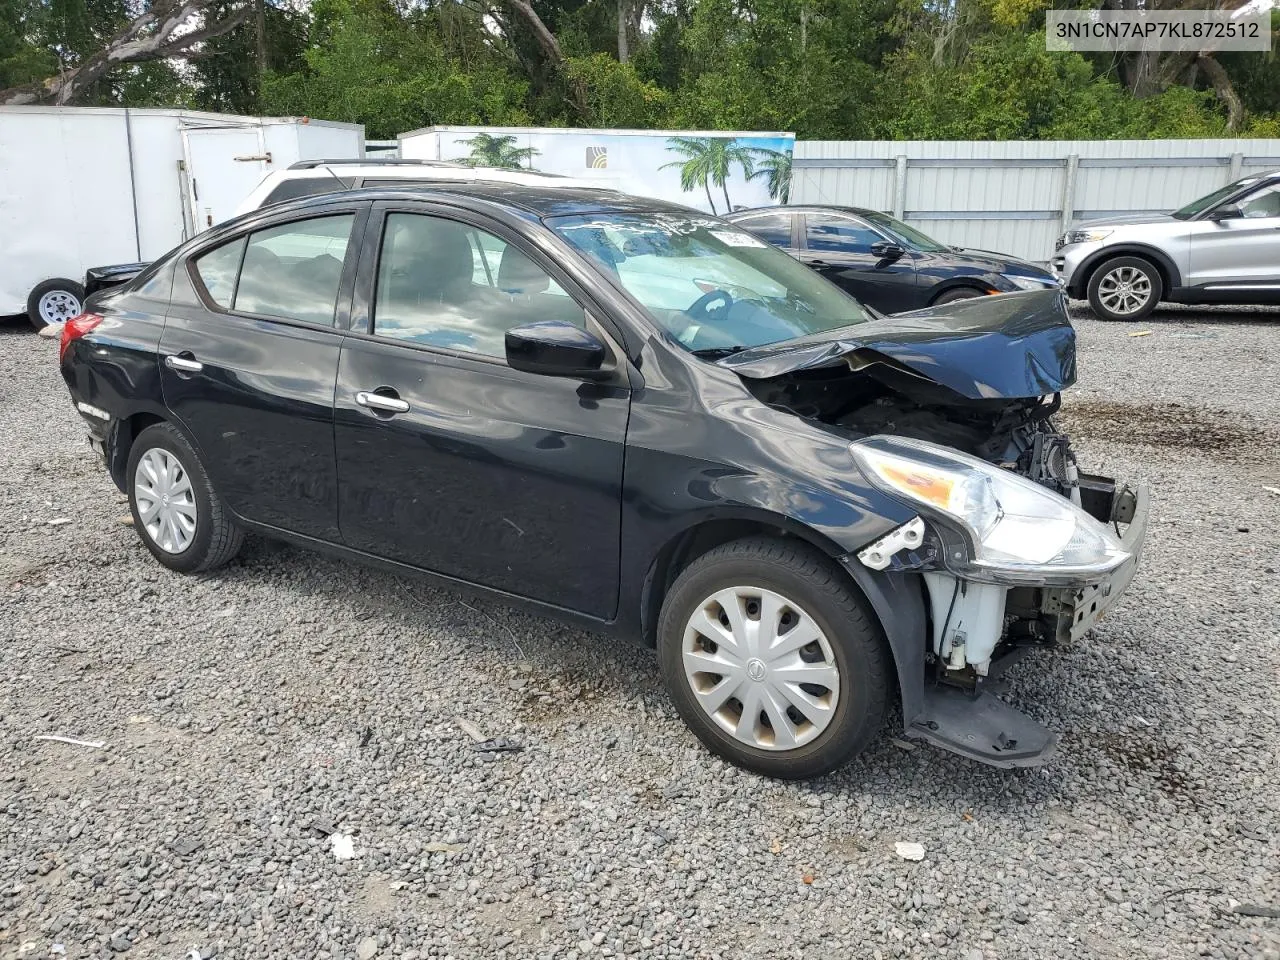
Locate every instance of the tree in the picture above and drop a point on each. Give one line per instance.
(168, 30)
(491, 151)
(775, 167)
(709, 160)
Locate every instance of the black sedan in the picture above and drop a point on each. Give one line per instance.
(636, 418)
(885, 263)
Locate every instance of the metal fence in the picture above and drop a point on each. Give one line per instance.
(1018, 196)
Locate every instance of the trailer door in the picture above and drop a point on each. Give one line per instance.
(224, 164)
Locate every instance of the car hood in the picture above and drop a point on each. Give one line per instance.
(1129, 221)
(988, 261)
(1010, 346)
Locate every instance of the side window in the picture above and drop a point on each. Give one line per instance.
(447, 284)
(306, 187)
(293, 270)
(218, 269)
(838, 234)
(774, 228)
(1264, 203)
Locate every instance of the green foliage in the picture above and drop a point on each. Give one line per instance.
(488, 150)
(825, 69)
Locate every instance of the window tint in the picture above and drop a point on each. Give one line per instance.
(306, 187)
(450, 285)
(839, 234)
(774, 228)
(293, 270)
(1264, 203)
(217, 270)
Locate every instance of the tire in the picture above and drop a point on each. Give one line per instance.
(54, 301)
(213, 538)
(957, 293)
(1111, 275)
(814, 594)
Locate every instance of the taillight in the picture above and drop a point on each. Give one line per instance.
(74, 329)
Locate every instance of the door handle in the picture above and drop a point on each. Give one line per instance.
(183, 362)
(384, 404)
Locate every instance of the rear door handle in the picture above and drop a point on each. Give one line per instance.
(380, 402)
(183, 362)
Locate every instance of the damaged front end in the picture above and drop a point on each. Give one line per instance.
(951, 411)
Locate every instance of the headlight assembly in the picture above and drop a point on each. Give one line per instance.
(1030, 283)
(1087, 236)
(994, 525)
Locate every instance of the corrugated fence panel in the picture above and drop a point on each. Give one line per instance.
(1010, 196)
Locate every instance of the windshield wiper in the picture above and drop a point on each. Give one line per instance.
(717, 353)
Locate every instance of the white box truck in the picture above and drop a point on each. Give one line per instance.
(713, 170)
(81, 187)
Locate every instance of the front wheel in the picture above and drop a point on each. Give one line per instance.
(1125, 288)
(957, 293)
(175, 510)
(772, 658)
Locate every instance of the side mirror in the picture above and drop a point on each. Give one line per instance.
(887, 250)
(1230, 211)
(555, 348)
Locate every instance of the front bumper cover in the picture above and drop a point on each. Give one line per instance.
(990, 731)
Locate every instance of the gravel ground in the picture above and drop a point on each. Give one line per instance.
(249, 714)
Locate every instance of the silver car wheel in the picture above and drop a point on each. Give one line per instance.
(1124, 290)
(761, 668)
(58, 306)
(166, 503)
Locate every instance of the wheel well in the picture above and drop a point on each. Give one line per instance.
(684, 549)
(971, 283)
(126, 432)
(1103, 256)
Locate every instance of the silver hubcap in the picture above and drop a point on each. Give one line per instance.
(1125, 290)
(58, 306)
(166, 502)
(761, 668)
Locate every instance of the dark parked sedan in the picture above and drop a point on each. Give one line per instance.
(636, 418)
(886, 264)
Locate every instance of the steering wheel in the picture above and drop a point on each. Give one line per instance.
(700, 310)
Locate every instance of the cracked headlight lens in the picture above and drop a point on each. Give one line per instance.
(995, 525)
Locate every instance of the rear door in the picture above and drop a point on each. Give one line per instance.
(450, 460)
(249, 357)
(776, 227)
(838, 246)
(1243, 251)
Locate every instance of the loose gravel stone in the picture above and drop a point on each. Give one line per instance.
(253, 713)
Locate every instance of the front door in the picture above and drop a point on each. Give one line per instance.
(1242, 251)
(839, 248)
(249, 356)
(450, 460)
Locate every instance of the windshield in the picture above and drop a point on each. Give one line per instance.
(1213, 199)
(715, 288)
(907, 236)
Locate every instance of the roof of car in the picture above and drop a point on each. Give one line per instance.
(532, 201)
(800, 207)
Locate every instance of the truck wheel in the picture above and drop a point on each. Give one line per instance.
(1125, 288)
(54, 301)
(772, 659)
(175, 511)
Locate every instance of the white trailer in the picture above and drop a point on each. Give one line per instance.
(646, 163)
(87, 187)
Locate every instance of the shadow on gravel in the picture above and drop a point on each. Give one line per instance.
(16, 325)
(1216, 433)
(1267, 316)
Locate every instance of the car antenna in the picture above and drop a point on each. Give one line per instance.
(329, 170)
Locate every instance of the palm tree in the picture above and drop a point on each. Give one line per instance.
(776, 166)
(490, 151)
(709, 160)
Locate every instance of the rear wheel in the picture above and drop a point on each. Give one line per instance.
(957, 293)
(1125, 288)
(772, 659)
(175, 511)
(54, 301)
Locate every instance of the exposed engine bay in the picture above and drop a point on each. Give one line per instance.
(978, 628)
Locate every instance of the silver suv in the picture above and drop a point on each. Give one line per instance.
(1222, 248)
